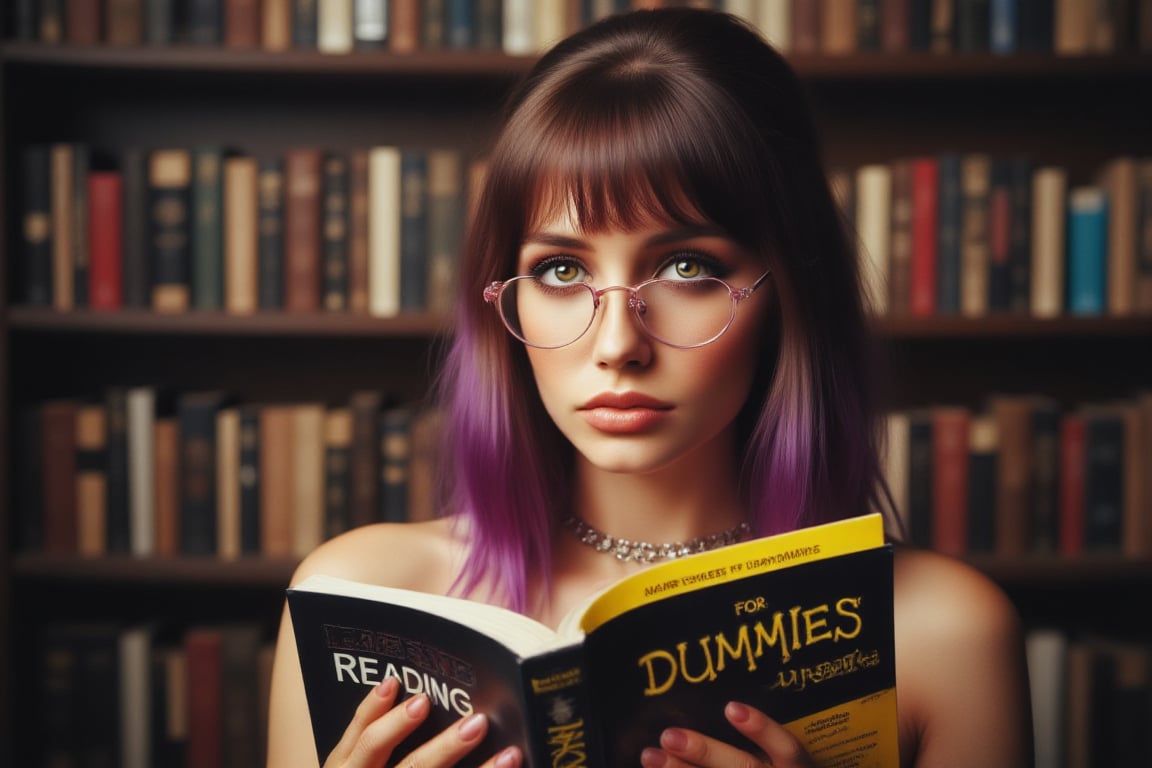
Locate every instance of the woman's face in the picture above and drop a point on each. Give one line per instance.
(627, 402)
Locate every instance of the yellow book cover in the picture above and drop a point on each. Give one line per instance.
(798, 625)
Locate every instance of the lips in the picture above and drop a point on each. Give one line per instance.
(624, 413)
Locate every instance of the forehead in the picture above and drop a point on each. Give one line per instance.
(592, 206)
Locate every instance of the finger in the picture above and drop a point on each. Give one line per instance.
(782, 748)
(680, 747)
(450, 745)
(378, 701)
(382, 735)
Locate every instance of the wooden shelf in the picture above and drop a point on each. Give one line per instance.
(147, 323)
(1087, 572)
(129, 571)
(474, 64)
(1009, 326)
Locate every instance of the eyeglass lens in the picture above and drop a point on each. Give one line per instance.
(680, 313)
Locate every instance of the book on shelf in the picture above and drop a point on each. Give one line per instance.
(798, 625)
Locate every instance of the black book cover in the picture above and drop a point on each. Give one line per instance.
(920, 478)
(81, 158)
(999, 236)
(951, 205)
(1044, 478)
(205, 21)
(334, 233)
(1020, 234)
(196, 413)
(137, 270)
(798, 625)
(250, 479)
(119, 510)
(170, 228)
(413, 230)
(28, 481)
(37, 226)
(982, 487)
(1034, 25)
(1104, 481)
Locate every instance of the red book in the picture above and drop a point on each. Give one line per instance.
(105, 240)
(925, 197)
(1072, 459)
(202, 647)
(950, 480)
(82, 22)
(242, 24)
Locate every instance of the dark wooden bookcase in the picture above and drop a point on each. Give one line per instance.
(1076, 112)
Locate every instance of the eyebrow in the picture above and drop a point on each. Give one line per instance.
(662, 238)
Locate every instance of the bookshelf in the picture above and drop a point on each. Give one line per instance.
(1077, 111)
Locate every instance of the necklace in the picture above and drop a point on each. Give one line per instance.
(647, 552)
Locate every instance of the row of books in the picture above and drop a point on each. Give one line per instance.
(521, 27)
(136, 696)
(975, 234)
(370, 231)
(1024, 476)
(208, 476)
(1091, 699)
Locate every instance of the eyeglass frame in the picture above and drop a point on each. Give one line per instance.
(494, 290)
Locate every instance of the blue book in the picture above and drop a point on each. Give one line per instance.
(1003, 33)
(461, 24)
(950, 214)
(1087, 251)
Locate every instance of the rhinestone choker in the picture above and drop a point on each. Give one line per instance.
(647, 552)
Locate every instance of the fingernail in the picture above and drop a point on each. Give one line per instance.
(674, 739)
(417, 706)
(737, 712)
(471, 727)
(509, 758)
(386, 688)
(653, 758)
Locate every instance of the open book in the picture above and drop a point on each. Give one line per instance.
(798, 625)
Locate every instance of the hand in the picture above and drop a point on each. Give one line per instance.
(378, 727)
(680, 747)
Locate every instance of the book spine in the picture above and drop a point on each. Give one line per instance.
(205, 20)
(999, 236)
(276, 25)
(1144, 235)
(487, 20)
(370, 23)
(404, 30)
(250, 479)
(365, 459)
(242, 24)
(50, 27)
(91, 479)
(358, 226)
(1044, 497)
(1034, 22)
(949, 218)
(159, 22)
(1020, 235)
(334, 31)
(975, 173)
(1072, 476)
(202, 646)
(445, 227)
(207, 230)
(558, 709)
(28, 485)
(241, 236)
(308, 477)
(1003, 33)
(1087, 251)
(384, 231)
(919, 25)
(1013, 415)
(142, 482)
(124, 22)
(83, 22)
(335, 232)
(920, 466)
(302, 180)
(395, 462)
(37, 226)
(197, 416)
(137, 279)
(228, 483)
(63, 232)
(413, 230)
(105, 240)
(1119, 183)
(983, 458)
(166, 474)
(337, 472)
(900, 226)
(277, 499)
(950, 429)
(1104, 482)
(119, 473)
(972, 22)
(925, 191)
(305, 23)
(170, 180)
(271, 235)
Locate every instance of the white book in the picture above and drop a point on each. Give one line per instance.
(519, 27)
(896, 462)
(141, 470)
(334, 26)
(370, 22)
(1049, 192)
(774, 17)
(384, 231)
(550, 23)
(1046, 652)
(135, 656)
(873, 217)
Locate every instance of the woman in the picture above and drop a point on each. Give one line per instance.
(674, 146)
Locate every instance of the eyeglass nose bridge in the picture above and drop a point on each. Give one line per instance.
(635, 303)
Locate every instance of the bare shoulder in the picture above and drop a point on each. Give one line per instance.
(420, 556)
(962, 679)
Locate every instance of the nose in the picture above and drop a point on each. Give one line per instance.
(620, 341)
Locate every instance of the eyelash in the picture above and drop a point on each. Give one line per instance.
(712, 265)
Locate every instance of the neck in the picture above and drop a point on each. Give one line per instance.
(696, 496)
